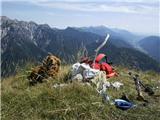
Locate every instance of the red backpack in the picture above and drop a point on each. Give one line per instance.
(104, 66)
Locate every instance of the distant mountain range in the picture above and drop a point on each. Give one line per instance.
(120, 34)
(23, 42)
(151, 45)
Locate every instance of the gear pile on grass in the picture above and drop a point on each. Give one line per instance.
(49, 68)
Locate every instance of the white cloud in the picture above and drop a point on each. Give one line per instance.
(130, 1)
(120, 6)
(103, 7)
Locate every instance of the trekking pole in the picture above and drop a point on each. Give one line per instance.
(99, 47)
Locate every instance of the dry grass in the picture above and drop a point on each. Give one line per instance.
(74, 101)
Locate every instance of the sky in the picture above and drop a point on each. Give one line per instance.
(139, 16)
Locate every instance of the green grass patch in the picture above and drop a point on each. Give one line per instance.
(75, 101)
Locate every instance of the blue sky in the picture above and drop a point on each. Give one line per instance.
(140, 16)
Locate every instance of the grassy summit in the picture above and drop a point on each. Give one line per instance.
(76, 101)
